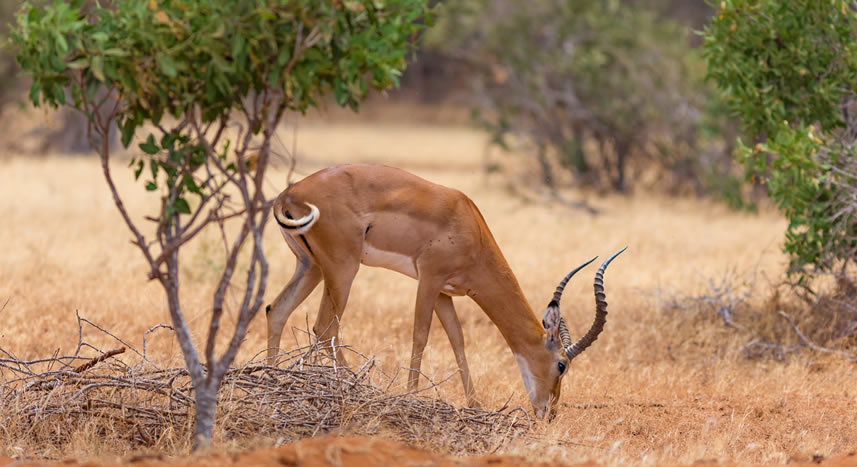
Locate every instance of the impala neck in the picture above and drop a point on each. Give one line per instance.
(498, 294)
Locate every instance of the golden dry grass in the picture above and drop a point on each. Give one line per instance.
(658, 386)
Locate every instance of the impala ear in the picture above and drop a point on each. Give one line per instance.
(552, 319)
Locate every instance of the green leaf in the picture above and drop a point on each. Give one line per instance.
(62, 44)
(97, 68)
(151, 186)
(35, 92)
(181, 206)
(79, 63)
(168, 65)
(238, 47)
(150, 147)
(153, 167)
(167, 140)
(191, 185)
(115, 52)
(284, 56)
(127, 130)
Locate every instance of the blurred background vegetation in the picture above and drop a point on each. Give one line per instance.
(604, 95)
(609, 95)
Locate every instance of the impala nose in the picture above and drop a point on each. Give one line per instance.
(547, 409)
(540, 411)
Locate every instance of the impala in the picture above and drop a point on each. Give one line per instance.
(339, 218)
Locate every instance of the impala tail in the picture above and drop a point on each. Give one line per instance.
(291, 225)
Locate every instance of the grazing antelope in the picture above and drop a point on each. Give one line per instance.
(341, 217)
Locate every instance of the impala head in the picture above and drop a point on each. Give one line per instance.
(543, 380)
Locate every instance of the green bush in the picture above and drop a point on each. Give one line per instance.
(788, 70)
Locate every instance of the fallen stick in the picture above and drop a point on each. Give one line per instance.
(99, 359)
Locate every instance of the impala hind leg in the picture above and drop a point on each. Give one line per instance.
(336, 289)
(449, 319)
(427, 294)
(305, 279)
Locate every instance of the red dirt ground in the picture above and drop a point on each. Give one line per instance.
(348, 451)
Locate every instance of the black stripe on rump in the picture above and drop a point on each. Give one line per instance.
(292, 228)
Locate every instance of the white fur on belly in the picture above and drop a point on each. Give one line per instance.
(389, 260)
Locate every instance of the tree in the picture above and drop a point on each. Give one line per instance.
(597, 88)
(789, 72)
(8, 70)
(207, 83)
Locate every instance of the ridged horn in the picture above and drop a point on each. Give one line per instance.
(558, 293)
(564, 336)
(600, 312)
(296, 226)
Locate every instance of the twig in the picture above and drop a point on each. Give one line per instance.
(99, 359)
(117, 338)
(152, 329)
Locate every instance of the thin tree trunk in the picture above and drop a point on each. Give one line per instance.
(544, 165)
(621, 154)
(205, 397)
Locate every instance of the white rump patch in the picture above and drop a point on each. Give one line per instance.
(297, 226)
(388, 260)
(526, 376)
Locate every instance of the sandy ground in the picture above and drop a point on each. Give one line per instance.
(356, 451)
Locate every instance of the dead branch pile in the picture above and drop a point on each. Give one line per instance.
(47, 401)
(790, 319)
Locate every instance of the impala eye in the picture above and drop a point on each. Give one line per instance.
(561, 367)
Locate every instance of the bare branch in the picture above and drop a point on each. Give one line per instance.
(152, 329)
(805, 341)
(104, 153)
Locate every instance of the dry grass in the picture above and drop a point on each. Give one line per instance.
(660, 385)
(147, 408)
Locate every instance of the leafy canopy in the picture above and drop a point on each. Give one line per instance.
(180, 57)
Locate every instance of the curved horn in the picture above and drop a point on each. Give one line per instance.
(558, 294)
(600, 312)
(296, 226)
(563, 329)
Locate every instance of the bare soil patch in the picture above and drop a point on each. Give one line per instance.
(358, 451)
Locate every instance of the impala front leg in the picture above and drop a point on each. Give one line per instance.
(449, 319)
(427, 294)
